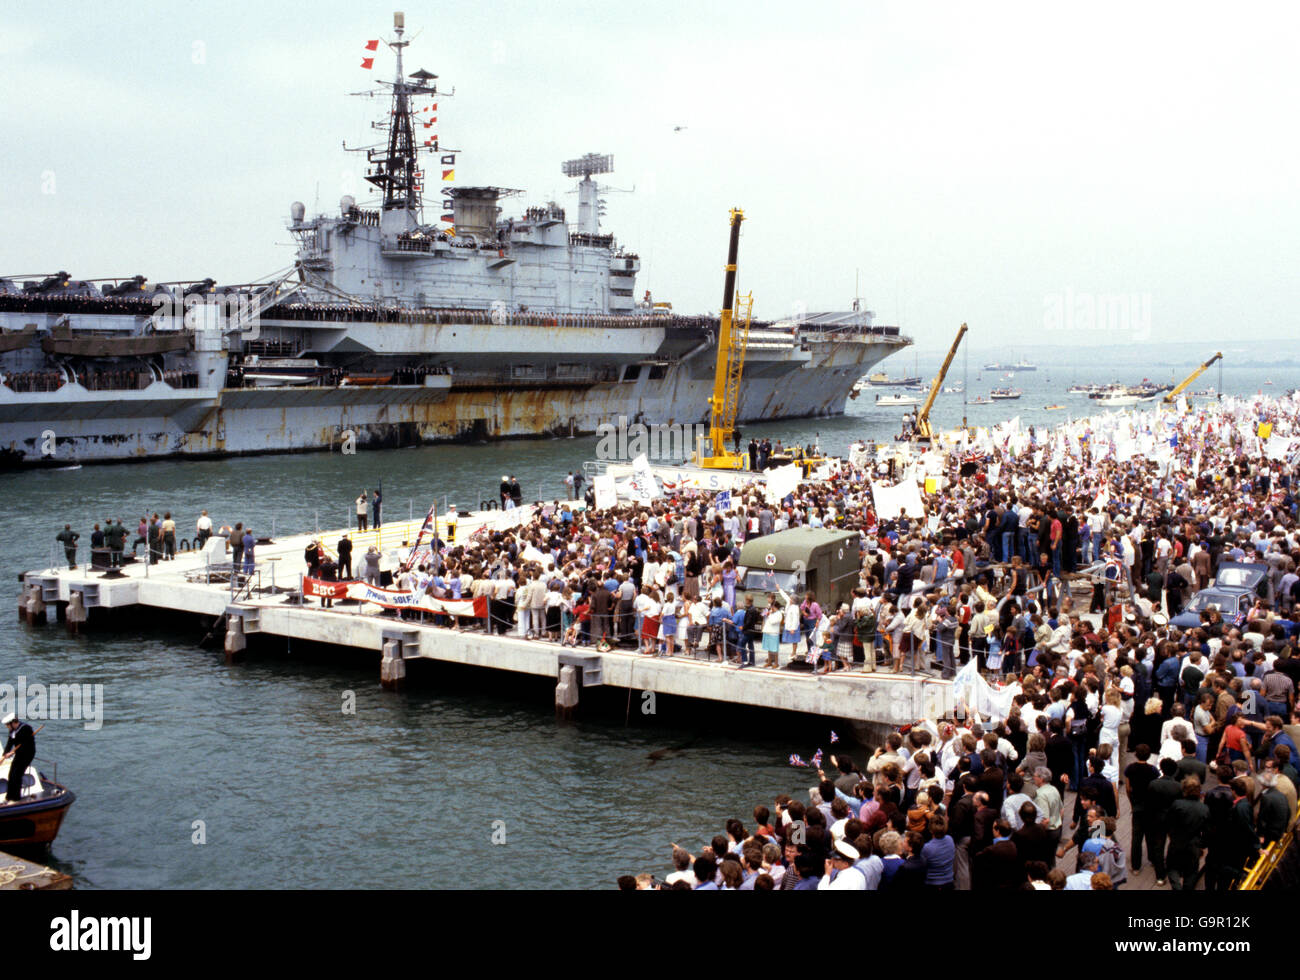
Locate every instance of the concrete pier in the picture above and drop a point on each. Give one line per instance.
(268, 603)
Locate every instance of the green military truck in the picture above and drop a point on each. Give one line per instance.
(823, 560)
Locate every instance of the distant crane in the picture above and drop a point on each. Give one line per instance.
(921, 431)
(1178, 390)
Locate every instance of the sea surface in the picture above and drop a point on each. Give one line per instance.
(463, 779)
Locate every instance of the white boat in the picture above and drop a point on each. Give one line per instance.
(1005, 394)
(1117, 399)
(898, 400)
(270, 372)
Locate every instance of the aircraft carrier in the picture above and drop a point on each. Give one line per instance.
(389, 330)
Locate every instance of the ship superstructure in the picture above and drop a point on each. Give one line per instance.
(391, 329)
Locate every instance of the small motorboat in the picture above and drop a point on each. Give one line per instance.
(1053, 408)
(896, 400)
(980, 401)
(1005, 394)
(33, 821)
(1118, 399)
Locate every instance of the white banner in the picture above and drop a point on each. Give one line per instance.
(892, 501)
(782, 481)
(394, 599)
(505, 520)
(606, 495)
(642, 486)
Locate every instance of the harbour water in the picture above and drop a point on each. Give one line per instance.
(459, 781)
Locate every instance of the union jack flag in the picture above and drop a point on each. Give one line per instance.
(796, 761)
(817, 760)
(834, 738)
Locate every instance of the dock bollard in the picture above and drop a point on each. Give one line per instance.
(566, 692)
(392, 668)
(236, 641)
(76, 614)
(31, 608)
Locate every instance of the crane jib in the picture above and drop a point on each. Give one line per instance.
(733, 249)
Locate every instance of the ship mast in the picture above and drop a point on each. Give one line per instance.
(395, 169)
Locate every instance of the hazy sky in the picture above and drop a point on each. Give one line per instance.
(1009, 165)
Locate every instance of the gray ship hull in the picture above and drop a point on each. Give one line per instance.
(471, 403)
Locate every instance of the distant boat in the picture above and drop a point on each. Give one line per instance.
(980, 401)
(1053, 408)
(1118, 399)
(896, 400)
(884, 381)
(1268, 382)
(1005, 394)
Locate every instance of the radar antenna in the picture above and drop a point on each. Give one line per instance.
(590, 205)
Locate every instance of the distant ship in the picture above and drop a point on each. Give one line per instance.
(1147, 389)
(1020, 365)
(882, 380)
(1005, 394)
(896, 400)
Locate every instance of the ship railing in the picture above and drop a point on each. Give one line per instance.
(40, 761)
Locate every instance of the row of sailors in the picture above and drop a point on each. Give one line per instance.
(336, 312)
(25, 381)
(122, 380)
(130, 380)
(521, 317)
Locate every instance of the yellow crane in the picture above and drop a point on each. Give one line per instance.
(1169, 398)
(733, 338)
(921, 431)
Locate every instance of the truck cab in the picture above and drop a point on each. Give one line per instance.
(825, 561)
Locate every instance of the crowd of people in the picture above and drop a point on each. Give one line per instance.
(1044, 587)
(1192, 730)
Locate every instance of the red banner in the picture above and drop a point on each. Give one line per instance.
(326, 590)
(394, 599)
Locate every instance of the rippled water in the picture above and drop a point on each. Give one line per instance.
(408, 791)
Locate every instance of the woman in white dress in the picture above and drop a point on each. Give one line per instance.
(1112, 713)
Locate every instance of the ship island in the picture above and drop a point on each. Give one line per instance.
(390, 330)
